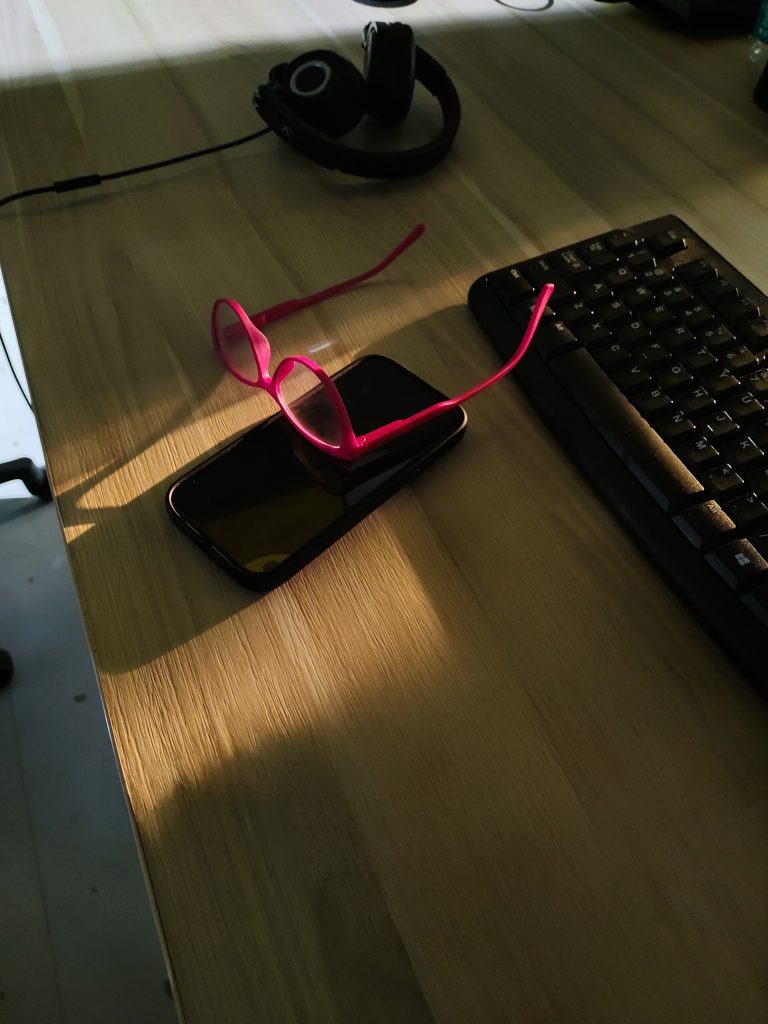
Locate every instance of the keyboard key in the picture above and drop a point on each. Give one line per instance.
(675, 295)
(739, 563)
(552, 338)
(723, 482)
(739, 360)
(572, 266)
(759, 434)
(614, 312)
(541, 271)
(633, 333)
(653, 354)
(609, 356)
(510, 286)
(667, 242)
(677, 338)
(696, 317)
(697, 271)
(745, 408)
(598, 255)
(652, 462)
(696, 402)
(719, 427)
(638, 296)
(756, 334)
(756, 601)
(593, 333)
(699, 361)
(621, 277)
(595, 293)
(674, 427)
(757, 481)
(652, 402)
(640, 259)
(739, 311)
(672, 377)
(620, 241)
(757, 382)
(718, 290)
(574, 313)
(656, 277)
(720, 383)
(743, 454)
(716, 337)
(698, 454)
(747, 512)
(705, 525)
(631, 378)
(657, 318)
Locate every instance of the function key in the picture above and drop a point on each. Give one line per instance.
(740, 310)
(640, 258)
(620, 241)
(598, 255)
(718, 290)
(697, 271)
(510, 286)
(572, 266)
(668, 242)
(540, 271)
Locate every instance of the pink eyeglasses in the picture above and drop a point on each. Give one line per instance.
(304, 391)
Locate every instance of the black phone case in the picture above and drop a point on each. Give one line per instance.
(265, 581)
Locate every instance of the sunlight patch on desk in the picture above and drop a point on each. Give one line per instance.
(64, 47)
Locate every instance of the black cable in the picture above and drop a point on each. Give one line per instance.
(13, 372)
(90, 180)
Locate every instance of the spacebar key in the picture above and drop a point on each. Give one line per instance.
(651, 461)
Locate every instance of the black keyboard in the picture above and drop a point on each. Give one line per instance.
(651, 368)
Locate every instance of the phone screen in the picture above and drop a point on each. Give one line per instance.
(270, 501)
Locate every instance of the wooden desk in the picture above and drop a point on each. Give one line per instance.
(477, 763)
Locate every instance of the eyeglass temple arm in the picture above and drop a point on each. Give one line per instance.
(392, 430)
(293, 305)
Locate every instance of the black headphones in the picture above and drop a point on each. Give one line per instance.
(318, 97)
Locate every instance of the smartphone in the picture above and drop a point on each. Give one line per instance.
(266, 504)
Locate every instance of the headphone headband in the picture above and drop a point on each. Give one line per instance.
(366, 163)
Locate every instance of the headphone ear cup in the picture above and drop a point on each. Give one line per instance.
(390, 71)
(324, 90)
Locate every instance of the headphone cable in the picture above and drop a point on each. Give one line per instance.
(91, 180)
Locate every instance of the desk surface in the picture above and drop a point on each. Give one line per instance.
(476, 763)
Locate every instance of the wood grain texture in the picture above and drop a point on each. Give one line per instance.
(477, 763)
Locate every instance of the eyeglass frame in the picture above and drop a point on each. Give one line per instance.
(351, 445)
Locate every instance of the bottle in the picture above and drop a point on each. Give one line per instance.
(759, 36)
